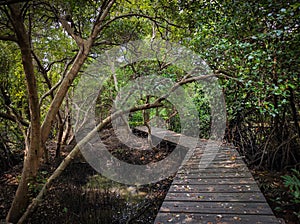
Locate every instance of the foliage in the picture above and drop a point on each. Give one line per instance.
(293, 183)
(12, 96)
(254, 43)
(36, 185)
(251, 45)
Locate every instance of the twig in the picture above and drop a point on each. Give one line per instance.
(140, 211)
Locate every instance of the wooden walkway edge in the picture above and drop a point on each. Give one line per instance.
(222, 193)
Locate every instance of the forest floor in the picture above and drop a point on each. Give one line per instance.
(81, 195)
(277, 195)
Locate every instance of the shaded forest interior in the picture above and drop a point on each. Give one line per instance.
(245, 53)
(81, 195)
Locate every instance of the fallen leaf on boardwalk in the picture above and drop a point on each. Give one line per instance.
(211, 188)
(219, 216)
(189, 219)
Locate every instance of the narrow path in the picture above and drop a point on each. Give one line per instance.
(221, 193)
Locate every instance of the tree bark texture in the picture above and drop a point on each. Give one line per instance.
(33, 149)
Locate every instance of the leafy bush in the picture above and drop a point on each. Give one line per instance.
(293, 183)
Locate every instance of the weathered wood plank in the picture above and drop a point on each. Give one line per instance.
(171, 136)
(215, 161)
(211, 181)
(216, 197)
(211, 169)
(179, 218)
(234, 188)
(257, 208)
(226, 166)
(211, 174)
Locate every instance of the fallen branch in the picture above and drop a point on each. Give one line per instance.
(63, 165)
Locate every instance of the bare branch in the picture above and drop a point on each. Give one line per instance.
(14, 119)
(72, 155)
(225, 74)
(8, 2)
(48, 68)
(97, 26)
(53, 88)
(105, 42)
(38, 61)
(9, 38)
(153, 19)
(64, 22)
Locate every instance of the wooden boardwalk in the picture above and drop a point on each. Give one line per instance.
(223, 192)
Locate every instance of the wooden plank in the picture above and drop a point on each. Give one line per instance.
(216, 197)
(179, 218)
(189, 188)
(211, 181)
(196, 207)
(211, 174)
(226, 166)
(215, 161)
(216, 156)
(211, 169)
(171, 136)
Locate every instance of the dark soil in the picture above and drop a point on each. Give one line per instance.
(75, 198)
(277, 195)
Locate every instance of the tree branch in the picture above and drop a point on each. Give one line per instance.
(153, 19)
(8, 2)
(79, 60)
(97, 26)
(53, 88)
(64, 22)
(225, 74)
(14, 119)
(9, 38)
(38, 61)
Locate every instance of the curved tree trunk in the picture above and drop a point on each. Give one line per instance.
(38, 133)
(33, 149)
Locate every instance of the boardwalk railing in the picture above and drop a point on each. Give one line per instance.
(222, 193)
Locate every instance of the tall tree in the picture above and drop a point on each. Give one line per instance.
(33, 143)
(86, 28)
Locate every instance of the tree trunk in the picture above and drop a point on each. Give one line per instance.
(33, 149)
(68, 124)
(59, 140)
(146, 118)
(85, 47)
(39, 133)
(294, 111)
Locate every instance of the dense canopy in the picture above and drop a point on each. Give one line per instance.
(252, 47)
